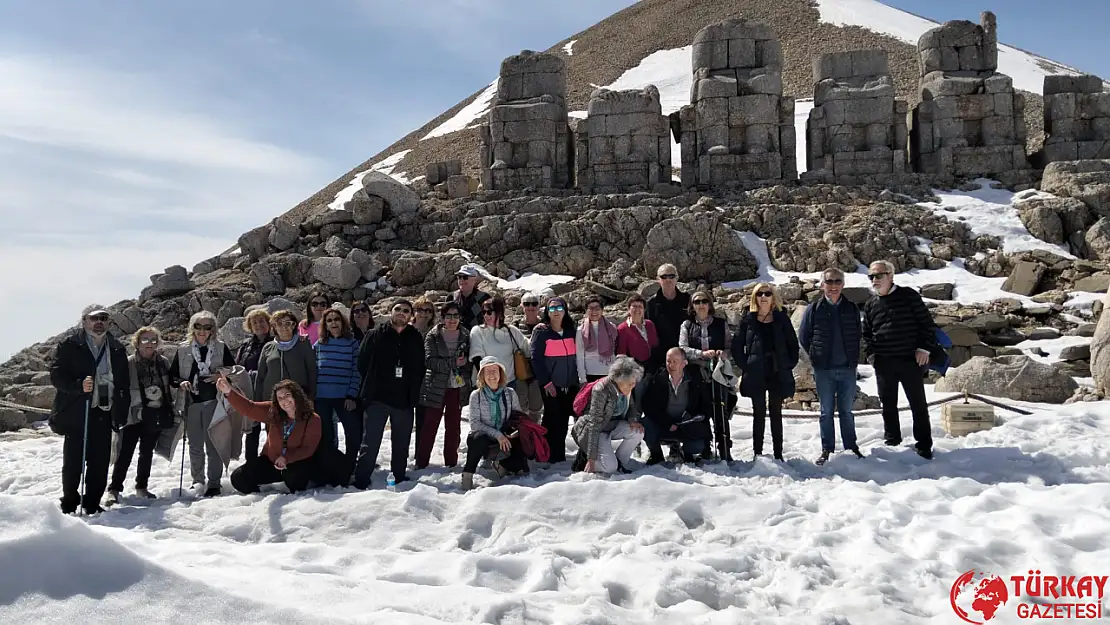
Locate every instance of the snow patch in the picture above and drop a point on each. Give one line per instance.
(991, 212)
(1026, 70)
(529, 282)
(569, 48)
(384, 166)
(468, 114)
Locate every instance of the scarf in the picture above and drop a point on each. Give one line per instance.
(204, 365)
(603, 342)
(104, 379)
(288, 345)
(494, 399)
(622, 405)
(705, 330)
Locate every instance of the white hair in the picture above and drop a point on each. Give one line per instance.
(198, 316)
(666, 268)
(832, 272)
(624, 368)
(885, 264)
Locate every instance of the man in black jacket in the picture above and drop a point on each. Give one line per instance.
(677, 409)
(90, 373)
(667, 309)
(391, 360)
(897, 336)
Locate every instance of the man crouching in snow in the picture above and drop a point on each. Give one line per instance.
(611, 415)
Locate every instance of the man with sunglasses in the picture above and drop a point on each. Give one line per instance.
(897, 336)
(90, 374)
(468, 297)
(667, 309)
(830, 334)
(391, 362)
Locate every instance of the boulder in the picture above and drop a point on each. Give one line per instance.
(1096, 283)
(231, 332)
(1042, 334)
(266, 280)
(1075, 352)
(701, 246)
(803, 371)
(1015, 377)
(12, 420)
(400, 198)
(961, 335)
(284, 234)
(369, 265)
(366, 209)
(336, 272)
(942, 291)
(431, 271)
(337, 246)
(1025, 277)
(254, 243)
(1097, 239)
(1088, 181)
(33, 396)
(1042, 221)
(174, 281)
(229, 310)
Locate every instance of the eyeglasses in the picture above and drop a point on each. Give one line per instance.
(452, 316)
(202, 327)
(97, 317)
(834, 281)
(556, 309)
(148, 341)
(529, 304)
(875, 276)
(319, 304)
(668, 276)
(701, 302)
(763, 294)
(360, 311)
(427, 311)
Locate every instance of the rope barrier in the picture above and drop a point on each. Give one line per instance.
(803, 414)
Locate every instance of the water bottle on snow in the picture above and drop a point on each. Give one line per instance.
(391, 483)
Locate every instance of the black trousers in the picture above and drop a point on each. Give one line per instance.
(478, 445)
(250, 446)
(760, 405)
(258, 471)
(145, 435)
(557, 411)
(97, 453)
(889, 373)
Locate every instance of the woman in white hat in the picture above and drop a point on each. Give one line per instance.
(491, 405)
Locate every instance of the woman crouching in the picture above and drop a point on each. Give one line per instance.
(491, 406)
(286, 458)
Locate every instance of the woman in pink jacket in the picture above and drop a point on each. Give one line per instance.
(636, 336)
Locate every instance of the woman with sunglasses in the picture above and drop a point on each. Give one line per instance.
(195, 369)
(555, 364)
(446, 386)
(493, 338)
(309, 327)
(362, 320)
(703, 337)
(151, 411)
(765, 348)
(424, 317)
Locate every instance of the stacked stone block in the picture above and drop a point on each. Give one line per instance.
(738, 126)
(624, 144)
(1076, 118)
(970, 121)
(856, 127)
(447, 179)
(526, 142)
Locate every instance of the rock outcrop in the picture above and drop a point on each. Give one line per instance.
(1017, 377)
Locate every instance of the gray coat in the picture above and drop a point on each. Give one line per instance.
(297, 364)
(481, 413)
(602, 410)
(439, 366)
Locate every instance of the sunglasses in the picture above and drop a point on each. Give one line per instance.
(556, 309)
(489, 312)
(202, 327)
(452, 316)
(763, 294)
(148, 341)
(875, 276)
(835, 281)
(529, 304)
(319, 304)
(668, 276)
(98, 318)
(360, 311)
(701, 302)
(428, 311)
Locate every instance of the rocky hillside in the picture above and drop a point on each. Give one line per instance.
(605, 51)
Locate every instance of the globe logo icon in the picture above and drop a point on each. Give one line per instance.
(976, 594)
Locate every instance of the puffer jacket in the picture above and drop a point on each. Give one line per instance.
(439, 366)
(481, 413)
(602, 410)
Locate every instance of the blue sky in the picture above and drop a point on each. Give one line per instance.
(138, 134)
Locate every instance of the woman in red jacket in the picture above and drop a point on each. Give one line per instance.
(636, 336)
(293, 434)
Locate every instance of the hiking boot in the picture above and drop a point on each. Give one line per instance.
(143, 493)
(925, 453)
(824, 457)
(501, 470)
(654, 460)
(212, 492)
(857, 452)
(579, 462)
(112, 498)
(467, 481)
(893, 442)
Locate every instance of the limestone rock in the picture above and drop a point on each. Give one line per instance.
(1025, 278)
(1015, 377)
(941, 291)
(1098, 239)
(266, 280)
(432, 271)
(229, 310)
(700, 246)
(366, 209)
(400, 198)
(284, 234)
(367, 264)
(33, 396)
(1088, 181)
(337, 246)
(336, 272)
(1097, 283)
(254, 243)
(1042, 222)
(174, 281)
(1075, 352)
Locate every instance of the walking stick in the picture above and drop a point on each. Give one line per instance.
(84, 450)
(184, 436)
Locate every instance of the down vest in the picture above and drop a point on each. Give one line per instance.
(439, 366)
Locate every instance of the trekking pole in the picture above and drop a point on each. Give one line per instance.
(84, 450)
(184, 437)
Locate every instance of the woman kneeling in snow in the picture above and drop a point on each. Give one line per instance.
(611, 415)
(287, 458)
(491, 406)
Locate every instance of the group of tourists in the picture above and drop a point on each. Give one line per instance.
(665, 375)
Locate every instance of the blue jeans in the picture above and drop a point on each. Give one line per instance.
(836, 388)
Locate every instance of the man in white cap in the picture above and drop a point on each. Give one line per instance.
(468, 297)
(93, 381)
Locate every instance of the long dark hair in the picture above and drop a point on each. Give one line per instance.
(308, 316)
(304, 409)
(497, 305)
(344, 326)
(568, 319)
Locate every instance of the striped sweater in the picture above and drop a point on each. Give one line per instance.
(337, 363)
